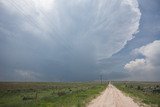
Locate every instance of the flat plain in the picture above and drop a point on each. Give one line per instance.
(48, 94)
(77, 94)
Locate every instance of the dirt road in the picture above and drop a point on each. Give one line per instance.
(112, 97)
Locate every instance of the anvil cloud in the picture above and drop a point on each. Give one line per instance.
(63, 40)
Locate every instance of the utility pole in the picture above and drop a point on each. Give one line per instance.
(101, 78)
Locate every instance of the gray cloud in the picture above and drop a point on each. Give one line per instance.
(64, 40)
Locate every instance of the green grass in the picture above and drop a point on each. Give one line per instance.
(48, 94)
(146, 92)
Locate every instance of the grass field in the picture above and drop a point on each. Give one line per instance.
(146, 92)
(48, 94)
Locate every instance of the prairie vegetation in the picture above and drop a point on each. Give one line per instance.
(48, 94)
(145, 92)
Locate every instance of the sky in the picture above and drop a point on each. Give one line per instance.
(79, 40)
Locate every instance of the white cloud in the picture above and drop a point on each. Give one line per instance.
(131, 66)
(150, 64)
(28, 7)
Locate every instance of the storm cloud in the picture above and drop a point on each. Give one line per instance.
(59, 40)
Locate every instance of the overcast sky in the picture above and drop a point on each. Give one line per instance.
(79, 40)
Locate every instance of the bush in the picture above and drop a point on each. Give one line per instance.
(61, 93)
(138, 87)
(131, 86)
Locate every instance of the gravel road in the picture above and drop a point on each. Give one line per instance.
(112, 97)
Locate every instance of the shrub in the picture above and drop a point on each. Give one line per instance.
(138, 87)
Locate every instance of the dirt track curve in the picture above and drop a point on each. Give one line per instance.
(112, 97)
